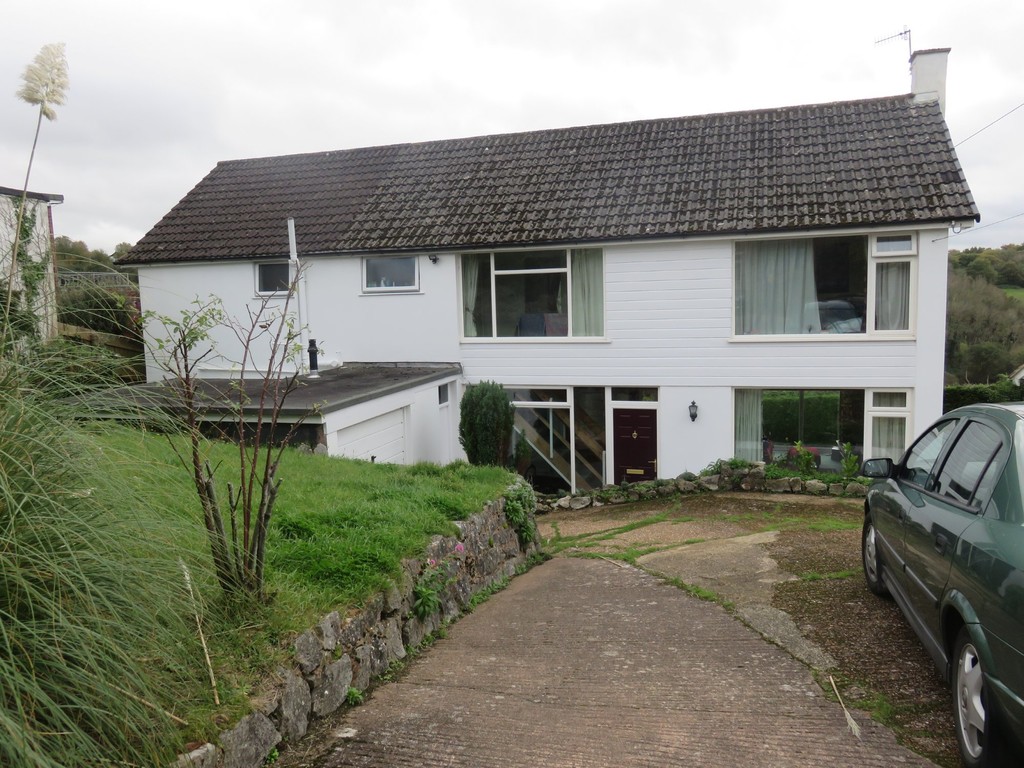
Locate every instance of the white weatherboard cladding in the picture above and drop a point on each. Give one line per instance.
(668, 324)
(381, 439)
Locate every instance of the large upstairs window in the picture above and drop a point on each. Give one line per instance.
(826, 285)
(544, 293)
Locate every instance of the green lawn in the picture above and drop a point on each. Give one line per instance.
(339, 532)
(1015, 292)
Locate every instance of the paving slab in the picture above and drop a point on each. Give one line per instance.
(584, 662)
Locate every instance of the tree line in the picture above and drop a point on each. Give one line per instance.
(75, 256)
(984, 314)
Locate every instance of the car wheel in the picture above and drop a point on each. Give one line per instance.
(872, 559)
(975, 727)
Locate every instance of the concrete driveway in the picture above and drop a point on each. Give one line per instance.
(588, 662)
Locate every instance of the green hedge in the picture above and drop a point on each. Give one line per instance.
(1003, 391)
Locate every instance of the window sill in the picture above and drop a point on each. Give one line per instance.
(396, 292)
(810, 338)
(534, 340)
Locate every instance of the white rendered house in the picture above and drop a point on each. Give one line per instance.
(654, 295)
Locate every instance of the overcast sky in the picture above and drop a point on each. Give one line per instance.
(161, 91)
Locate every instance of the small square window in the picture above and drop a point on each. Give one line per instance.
(274, 277)
(384, 274)
(442, 394)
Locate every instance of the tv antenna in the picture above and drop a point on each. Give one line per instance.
(905, 35)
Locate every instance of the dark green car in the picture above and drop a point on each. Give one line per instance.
(944, 535)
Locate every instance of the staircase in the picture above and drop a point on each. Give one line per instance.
(548, 431)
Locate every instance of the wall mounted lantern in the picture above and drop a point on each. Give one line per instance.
(433, 258)
(693, 410)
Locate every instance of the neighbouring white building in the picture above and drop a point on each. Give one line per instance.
(35, 270)
(654, 295)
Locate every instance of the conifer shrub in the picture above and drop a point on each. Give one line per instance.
(485, 424)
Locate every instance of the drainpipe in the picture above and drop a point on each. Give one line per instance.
(300, 288)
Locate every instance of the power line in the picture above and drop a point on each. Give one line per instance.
(989, 126)
(975, 229)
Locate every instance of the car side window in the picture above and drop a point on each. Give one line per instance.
(920, 459)
(967, 474)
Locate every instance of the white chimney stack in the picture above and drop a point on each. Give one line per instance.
(928, 76)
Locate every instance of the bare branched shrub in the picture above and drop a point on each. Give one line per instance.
(238, 538)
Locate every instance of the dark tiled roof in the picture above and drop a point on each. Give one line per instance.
(877, 161)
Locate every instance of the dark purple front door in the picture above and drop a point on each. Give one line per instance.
(636, 444)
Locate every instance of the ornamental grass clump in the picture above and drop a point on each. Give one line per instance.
(90, 617)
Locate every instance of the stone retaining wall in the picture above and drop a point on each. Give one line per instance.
(749, 478)
(354, 650)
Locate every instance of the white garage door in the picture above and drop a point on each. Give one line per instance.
(380, 439)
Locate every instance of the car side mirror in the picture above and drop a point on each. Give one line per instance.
(877, 468)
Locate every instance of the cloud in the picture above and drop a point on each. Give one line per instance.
(161, 92)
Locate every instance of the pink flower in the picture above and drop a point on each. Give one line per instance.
(459, 547)
(432, 563)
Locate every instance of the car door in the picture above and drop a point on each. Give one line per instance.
(891, 508)
(950, 505)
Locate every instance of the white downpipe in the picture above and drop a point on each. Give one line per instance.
(300, 290)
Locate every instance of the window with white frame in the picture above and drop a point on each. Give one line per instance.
(829, 423)
(544, 293)
(825, 285)
(390, 274)
(895, 274)
(273, 277)
(888, 416)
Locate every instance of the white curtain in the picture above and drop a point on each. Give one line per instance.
(892, 296)
(587, 292)
(888, 437)
(775, 289)
(470, 277)
(748, 424)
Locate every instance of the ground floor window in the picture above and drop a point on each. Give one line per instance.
(770, 424)
(889, 416)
